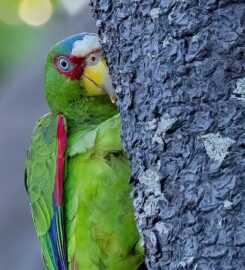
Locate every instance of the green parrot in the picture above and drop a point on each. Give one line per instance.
(76, 171)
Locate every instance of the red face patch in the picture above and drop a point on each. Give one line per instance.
(70, 66)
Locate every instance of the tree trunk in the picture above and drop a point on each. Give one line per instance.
(179, 72)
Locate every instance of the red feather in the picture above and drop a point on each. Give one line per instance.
(59, 177)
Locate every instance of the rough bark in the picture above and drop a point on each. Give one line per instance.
(179, 72)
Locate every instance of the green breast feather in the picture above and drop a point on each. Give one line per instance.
(101, 230)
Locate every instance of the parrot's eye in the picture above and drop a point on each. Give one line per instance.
(93, 59)
(64, 64)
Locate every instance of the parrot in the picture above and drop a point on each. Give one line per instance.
(77, 172)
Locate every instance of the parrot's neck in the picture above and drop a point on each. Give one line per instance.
(89, 112)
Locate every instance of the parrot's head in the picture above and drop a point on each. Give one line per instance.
(77, 75)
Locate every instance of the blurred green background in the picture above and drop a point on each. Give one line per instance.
(28, 28)
(21, 25)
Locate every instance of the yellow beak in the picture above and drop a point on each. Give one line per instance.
(97, 80)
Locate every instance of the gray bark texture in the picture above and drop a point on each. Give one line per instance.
(179, 73)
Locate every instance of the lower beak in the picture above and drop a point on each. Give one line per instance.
(97, 80)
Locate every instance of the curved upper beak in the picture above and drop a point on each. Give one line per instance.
(97, 80)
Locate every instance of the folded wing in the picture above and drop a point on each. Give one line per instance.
(44, 183)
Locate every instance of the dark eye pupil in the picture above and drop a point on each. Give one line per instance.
(63, 63)
(93, 58)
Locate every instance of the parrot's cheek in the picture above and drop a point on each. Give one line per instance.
(91, 87)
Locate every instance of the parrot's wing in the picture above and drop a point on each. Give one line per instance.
(103, 139)
(44, 184)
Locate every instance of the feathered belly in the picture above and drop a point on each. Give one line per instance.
(101, 230)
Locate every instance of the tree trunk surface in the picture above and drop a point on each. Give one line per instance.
(179, 72)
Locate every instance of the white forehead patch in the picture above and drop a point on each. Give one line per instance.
(85, 46)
